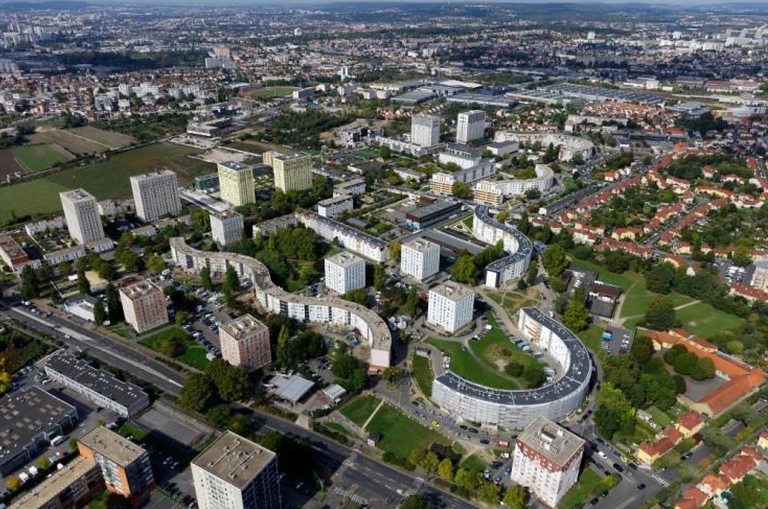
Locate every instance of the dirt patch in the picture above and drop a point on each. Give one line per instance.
(8, 165)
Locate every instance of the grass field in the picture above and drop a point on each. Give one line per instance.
(194, 355)
(706, 321)
(109, 139)
(400, 434)
(341, 429)
(71, 142)
(422, 371)
(661, 418)
(360, 409)
(588, 481)
(592, 338)
(106, 179)
(473, 462)
(466, 366)
(36, 158)
(271, 92)
(625, 281)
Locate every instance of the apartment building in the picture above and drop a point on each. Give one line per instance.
(125, 466)
(245, 342)
(144, 306)
(425, 130)
(292, 172)
(344, 272)
(332, 207)
(470, 125)
(155, 195)
(236, 473)
(82, 215)
(98, 385)
(227, 227)
(74, 485)
(546, 460)
(420, 258)
(450, 306)
(350, 238)
(236, 183)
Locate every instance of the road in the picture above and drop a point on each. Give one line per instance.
(375, 480)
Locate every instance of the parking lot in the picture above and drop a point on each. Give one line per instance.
(617, 340)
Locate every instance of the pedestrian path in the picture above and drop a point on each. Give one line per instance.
(365, 425)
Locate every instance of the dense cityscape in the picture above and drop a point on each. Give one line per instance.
(398, 255)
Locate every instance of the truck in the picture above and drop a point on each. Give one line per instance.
(57, 440)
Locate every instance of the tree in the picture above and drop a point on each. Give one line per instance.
(412, 303)
(99, 314)
(43, 463)
(467, 479)
(114, 306)
(379, 277)
(445, 469)
(83, 285)
(464, 270)
(516, 497)
(533, 272)
(171, 345)
(395, 249)
(13, 483)
(704, 369)
(417, 455)
(416, 501)
(156, 264)
(181, 318)
(660, 314)
(205, 275)
(614, 412)
(282, 346)
(30, 287)
(576, 316)
(554, 260)
(198, 393)
(430, 463)
(660, 278)
(231, 382)
(231, 281)
(461, 190)
(642, 349)
(491, 493)
(219, 416)
(502, 216)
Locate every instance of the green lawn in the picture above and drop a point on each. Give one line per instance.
(105, 179)
(661, 418)
(341, 429)
(464, 365)
(473, 462)
(592, 338)
(195, 355)
(706, 321)
(469, 221)
(401, 434)
(37, 157)
(359, 409)
(582, 491)
(496, 347)
(625, 280)
(271, 92)
(422, 371)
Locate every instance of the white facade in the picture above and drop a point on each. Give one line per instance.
(425, 130)
(156, 195)
(546, 460)
(420, 258)
(82, 215)
(470, 125)
(227, 227)
(332, 207)
(344, 272)
(349, 238)
(450, 306)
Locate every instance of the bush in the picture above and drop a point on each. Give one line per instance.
(396, 460)
(514, 369)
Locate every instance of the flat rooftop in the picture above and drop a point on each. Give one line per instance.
(152, 175)
(77, 195)
(243, 327)
(234, 459)
(226, 214)
(345, 259)
(234, 165)
(26, 414)
(524, 244)
(421, 245)
(140, 289)
(97, 380)
(452, 291)
(113, 446)
(551, 441)
(11, 247)
(288, 157)
(39, 496)
(433, 209)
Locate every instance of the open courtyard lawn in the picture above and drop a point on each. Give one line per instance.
(474, 462)
(582, 491)
(469, 222)
(706, 321)
(367, 153)
(496, 350)
(625, 281)
(359, 409)
(422, 371)
(194, 355)
(36, 158)
(661, 418)
(400, 434)
(467, 367)
(592, 338)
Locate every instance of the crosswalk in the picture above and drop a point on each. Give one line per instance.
(661, 480)
(416, 488)
(350, 461)
(349, 494)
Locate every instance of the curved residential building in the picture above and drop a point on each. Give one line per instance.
(492, 192)
(520, 247)
(518, 409)
(276, 300)
(570, 146)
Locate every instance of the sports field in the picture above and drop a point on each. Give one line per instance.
(105, 179)
(36, 158)
(271, 92)
(706, 321)
(82, 140)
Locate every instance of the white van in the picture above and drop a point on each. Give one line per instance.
(57, 440)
